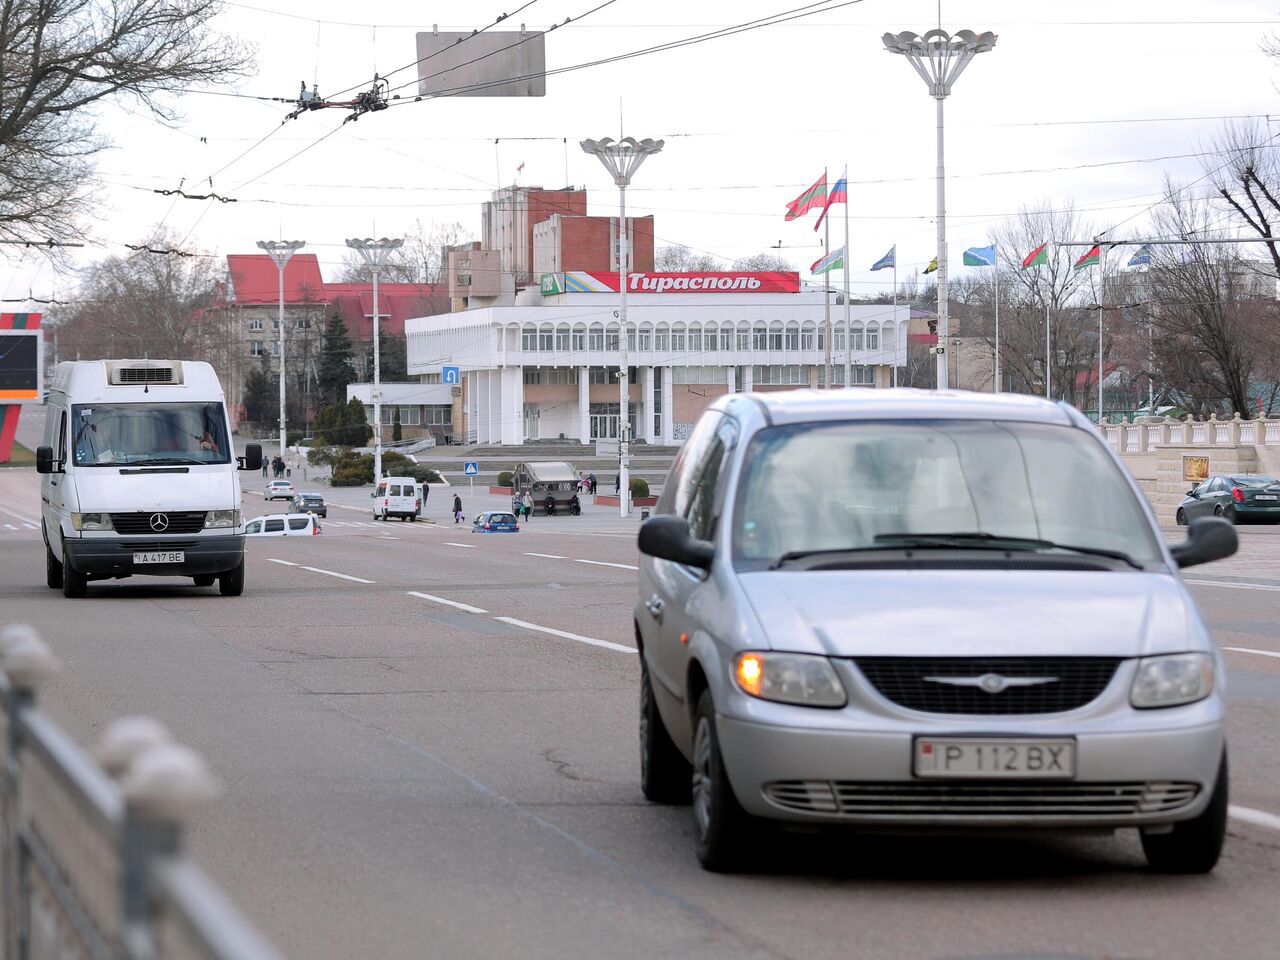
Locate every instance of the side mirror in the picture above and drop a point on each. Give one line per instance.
(667, 538)
(252, 459)
(1192, 492)
(45, 462)
(1208, 539)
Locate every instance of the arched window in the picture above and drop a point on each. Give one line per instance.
(856, 338)
(662, 338)
(546, 338)
(579, 337)
(595, 337)
(873, 336)
(808, 333)
(759, 337)
(792, 341)
(710, 337)
(775, 335)
(742, 338)
(562, 338)
(528, 338)
(695, 337)
(646, 337)
(678, 338)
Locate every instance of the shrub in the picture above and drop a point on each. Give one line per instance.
(396, 464)
(292, 438)
(423, 474)
(506, 478)
(639, 487)
(351, 475)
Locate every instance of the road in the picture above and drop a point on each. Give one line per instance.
(427, 741)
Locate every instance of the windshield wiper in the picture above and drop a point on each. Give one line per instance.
(154, 460)
(995, 541)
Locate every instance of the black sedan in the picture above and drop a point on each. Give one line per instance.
(309, 503)
(1240, 497)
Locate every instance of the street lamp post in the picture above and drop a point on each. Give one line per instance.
(622, 159)
(940, 58)
(281, 251)
(374, 253)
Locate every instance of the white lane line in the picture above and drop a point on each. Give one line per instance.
(18, 516)
(448, 603)
(608, 645)
(287, 563)
(10, 526)
(1261, 653)
(464, 546)
(602, 563)
(31, 526)
(331, 573)
(1233, 586)
(1259, 818)
(547, 556)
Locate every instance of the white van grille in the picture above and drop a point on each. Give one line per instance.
(125, 373)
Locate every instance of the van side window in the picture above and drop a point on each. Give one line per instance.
(679, 488)
(60, 451)
(704, 503)
(254, 527)
(275, 526)
(298, 523)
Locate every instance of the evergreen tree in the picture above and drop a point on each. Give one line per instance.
(343, 424)
(261, 393)
(396, 433)
(335, 361)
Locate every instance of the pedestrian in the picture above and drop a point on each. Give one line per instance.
(591, 478)
(265, 464)
(457, 509)
(617, 483)
(527, 502)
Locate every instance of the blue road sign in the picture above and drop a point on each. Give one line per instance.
(470, 468)
(450, 375)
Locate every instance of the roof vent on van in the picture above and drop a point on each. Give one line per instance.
(123, 373)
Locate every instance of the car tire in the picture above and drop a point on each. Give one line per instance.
(665, 775)
(1231, 515)
(719, 822)
(1193, 846)
(74, 583)
(1180, 518)
(231, 583)
(1217, 511)
(52, 569)
(204, 579)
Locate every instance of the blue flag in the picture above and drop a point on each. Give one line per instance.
(980, 256)
(890, 259)
(1142, 258)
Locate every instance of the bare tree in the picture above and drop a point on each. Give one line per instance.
(762, 263)
(422, 259)
(59, 60)
(680, 259)
(1246, 175)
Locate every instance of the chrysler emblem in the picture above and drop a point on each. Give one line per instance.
(992, 682)
(159, 522)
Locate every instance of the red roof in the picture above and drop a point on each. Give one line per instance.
(256, 279)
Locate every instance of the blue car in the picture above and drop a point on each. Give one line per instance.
(495, 521)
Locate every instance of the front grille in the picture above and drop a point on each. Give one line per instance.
(145, 545)
(1078, 680)
(132, 524)
(907, 800)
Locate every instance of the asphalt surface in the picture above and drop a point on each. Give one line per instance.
(417, 761)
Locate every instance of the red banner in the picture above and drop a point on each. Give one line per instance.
(736, 281)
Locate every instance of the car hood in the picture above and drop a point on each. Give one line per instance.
(203, 488)
(971, 613)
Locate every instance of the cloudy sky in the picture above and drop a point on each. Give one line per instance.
(1092, 102)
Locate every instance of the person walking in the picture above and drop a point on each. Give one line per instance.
(457, 509)
(527, 500)
(265, 464)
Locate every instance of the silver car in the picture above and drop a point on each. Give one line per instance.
(897, 609)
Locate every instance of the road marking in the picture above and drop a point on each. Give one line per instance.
(331, 573)
(10, 526)
(31, 526)
(18, 516)
(1261, 653)
(1259, 818)
(464, 546)
(1233, 586)
(547, 556)
(287, 563)
(602, 563)
(448, 603)
(608, 645)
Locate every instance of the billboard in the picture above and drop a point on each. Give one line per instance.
(20, 357)
(731, 281)
(510, 63)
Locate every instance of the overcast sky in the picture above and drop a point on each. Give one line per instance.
(749, 121)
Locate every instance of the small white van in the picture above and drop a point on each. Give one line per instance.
(397, 497)
(139, 477)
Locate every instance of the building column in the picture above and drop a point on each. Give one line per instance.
(584, 404)
(668, 413)
(495, 406)
(731, 379)
(646, 404)
(511, 385)
(479, 402)
(748, 378)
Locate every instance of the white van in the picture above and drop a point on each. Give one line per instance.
(397, 497)
(139, 476)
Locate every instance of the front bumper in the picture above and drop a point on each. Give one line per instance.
(101, 558)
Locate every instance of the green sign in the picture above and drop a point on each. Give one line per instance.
(552, 283)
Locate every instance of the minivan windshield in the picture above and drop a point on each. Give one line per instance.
(828, 487)
(120, 434)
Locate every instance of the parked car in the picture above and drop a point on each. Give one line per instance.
(1239, 497)
(495, 521)
(397, 497)
(309, 503)
(894, 610)
(278, 490)
(283, 525)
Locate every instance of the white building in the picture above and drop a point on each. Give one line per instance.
(547, 366)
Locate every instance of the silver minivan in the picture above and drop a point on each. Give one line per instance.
(903, 610)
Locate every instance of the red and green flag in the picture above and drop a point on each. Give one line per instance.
(815, 198)
(1037, 256)
(1092, 256)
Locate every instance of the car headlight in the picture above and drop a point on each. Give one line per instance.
(1172, 680)
(789, 678)
(91, 521)
(222, 518)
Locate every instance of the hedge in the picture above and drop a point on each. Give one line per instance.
(639, 487)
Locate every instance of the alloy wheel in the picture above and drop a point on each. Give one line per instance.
(702, 786)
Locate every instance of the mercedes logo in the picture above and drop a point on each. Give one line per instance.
(159, 522)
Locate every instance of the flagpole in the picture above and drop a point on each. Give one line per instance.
(848, 331)
(826, 300)
(895, 312)
(995, 250)
(1048, 367)
(1102, 292)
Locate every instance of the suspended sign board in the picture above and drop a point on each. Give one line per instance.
(20, 357)
(733, 281)
(510, 63)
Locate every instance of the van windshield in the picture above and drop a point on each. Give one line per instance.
(120, 434)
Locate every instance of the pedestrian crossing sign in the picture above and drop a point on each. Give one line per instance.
(470, 468)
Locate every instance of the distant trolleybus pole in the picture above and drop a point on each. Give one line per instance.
(622, 159)
(374, 253)
(281, 251)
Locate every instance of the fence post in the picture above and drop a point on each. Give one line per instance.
(26, 661)
(163, 784)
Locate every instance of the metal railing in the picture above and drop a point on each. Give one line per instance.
(1148, 433)
(91, 864)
